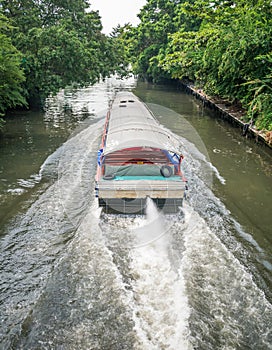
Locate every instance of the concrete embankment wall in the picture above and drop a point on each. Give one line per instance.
(229, 112)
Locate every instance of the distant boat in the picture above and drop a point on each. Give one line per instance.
(138, 158)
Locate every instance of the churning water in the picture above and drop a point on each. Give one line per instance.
(75, 278)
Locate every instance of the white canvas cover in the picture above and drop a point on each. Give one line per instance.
(131, 124)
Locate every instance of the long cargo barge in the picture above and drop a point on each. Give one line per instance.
(138, 158)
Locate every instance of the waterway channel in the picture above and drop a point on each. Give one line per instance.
(75, 278)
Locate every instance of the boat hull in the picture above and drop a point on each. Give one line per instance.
(138, 159)
(130, 196)
(138, 205)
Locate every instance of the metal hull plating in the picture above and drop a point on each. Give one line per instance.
(138, 205)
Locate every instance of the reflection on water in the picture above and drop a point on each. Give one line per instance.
(245, 166)
(29, 137)
(73, 278)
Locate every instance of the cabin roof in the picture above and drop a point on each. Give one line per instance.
(132, 124)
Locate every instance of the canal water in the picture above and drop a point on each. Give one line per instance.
(75, 278)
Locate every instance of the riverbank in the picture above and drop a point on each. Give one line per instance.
(232, 113)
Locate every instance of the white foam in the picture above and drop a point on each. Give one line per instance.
(217, 174)
(16, 191)
(222, 286)
(151, 228)
(161, 305)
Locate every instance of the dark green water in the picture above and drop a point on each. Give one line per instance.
(245, 165)
(72, 279)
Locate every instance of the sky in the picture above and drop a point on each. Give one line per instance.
(114, 12)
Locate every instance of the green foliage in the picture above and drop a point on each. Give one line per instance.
(2, 123)
(60, 44)
(184, 54)
(11, 75)
(233, 66)
(120, 45)
(56, 57)
(261, 103)
(223, 46)
(157, 21)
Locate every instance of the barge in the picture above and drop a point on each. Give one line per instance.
(138, 158)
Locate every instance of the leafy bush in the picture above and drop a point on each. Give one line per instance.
(11, 74)
(224, 47)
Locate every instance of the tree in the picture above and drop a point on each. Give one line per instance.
(158, 20)
(228, 55)
(11, 75)
(260, 104)
(222, 46)
(61, 44)
(120, 46)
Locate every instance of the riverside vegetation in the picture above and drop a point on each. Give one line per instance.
(47, 45)
(222, 47)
